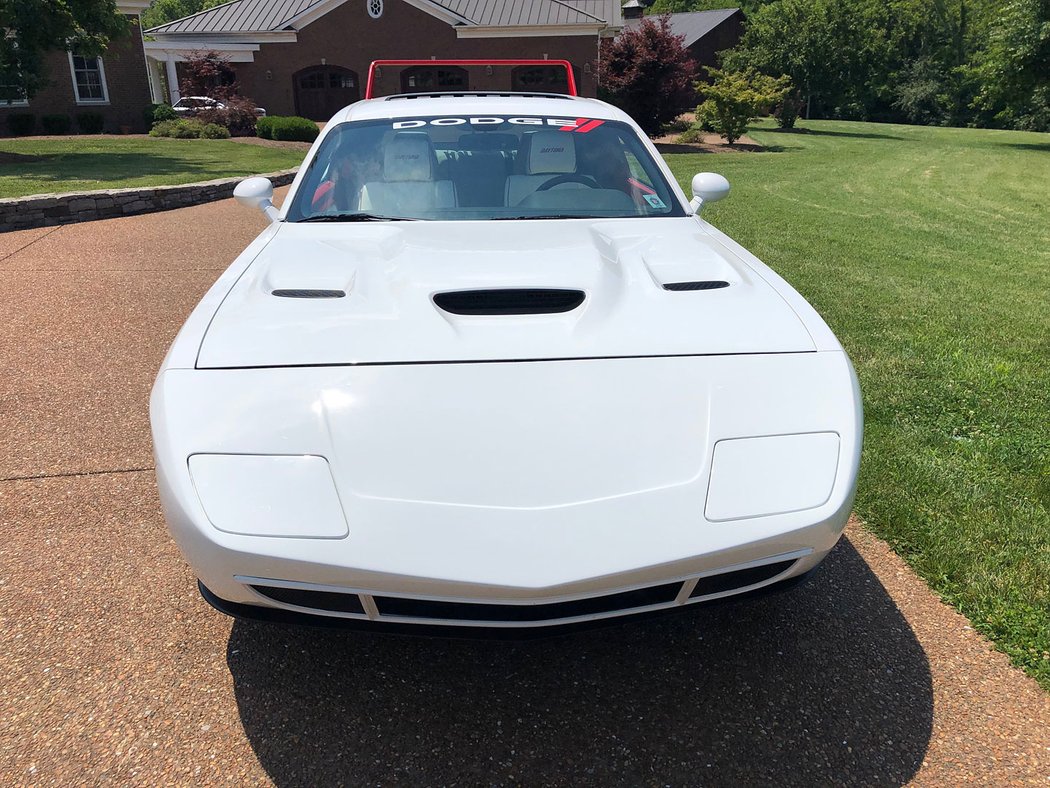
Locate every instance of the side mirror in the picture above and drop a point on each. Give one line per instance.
(257, 193)
(708, 187)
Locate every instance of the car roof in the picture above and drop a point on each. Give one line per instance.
(455, 104)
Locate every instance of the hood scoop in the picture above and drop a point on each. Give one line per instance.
(705, 284)
(308, 293)
(509, 301)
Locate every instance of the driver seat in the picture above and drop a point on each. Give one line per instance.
(548, 155)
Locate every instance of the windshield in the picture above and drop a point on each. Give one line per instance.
(470, 168)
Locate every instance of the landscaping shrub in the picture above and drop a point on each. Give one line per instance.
(155, 113)
(91, 122)
(264, 127)
(288, 128)
(189, 129)
(648, 73)
(213, 131)
(694, 134)
(734, 99)
(21, 124)
(56, 124)
(238, 116)
(788, 110)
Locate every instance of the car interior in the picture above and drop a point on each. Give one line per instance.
(484, 174)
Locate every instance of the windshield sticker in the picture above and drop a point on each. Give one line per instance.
(654, 201)
(581, 125)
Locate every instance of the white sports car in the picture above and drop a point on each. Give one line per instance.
(488, 367)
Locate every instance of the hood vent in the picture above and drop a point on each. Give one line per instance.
(710, 284)
(309, 293)
(514, 301)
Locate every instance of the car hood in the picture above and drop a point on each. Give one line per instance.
(390, 274)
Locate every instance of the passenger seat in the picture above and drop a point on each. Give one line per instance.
(408, 188)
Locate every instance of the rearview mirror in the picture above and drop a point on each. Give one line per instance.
(257, 193)
(708, 187)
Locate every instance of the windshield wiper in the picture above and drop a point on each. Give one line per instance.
(355, 217)
(552, 216)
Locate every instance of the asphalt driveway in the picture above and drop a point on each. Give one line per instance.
(115, 671)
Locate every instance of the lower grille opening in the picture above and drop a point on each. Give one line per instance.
(472, 611)
(319, 600)
(741, 578)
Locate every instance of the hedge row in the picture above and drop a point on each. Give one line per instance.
(22, 124)
(289, 128)
(189, 129)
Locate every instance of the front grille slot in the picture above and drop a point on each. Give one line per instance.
(472, 611)
(509, 301)
(707, 284)
(741, 578)
(319, 600)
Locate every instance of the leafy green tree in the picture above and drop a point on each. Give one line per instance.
(677, 6)
(735, 98)
(36, 27)
(161, 11)
(1013, 70)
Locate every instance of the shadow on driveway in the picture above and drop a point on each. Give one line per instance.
(822, 684)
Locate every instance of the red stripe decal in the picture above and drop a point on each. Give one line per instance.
(588, 126)
(640, 186)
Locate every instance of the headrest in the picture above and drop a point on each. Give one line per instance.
(551, 152)
(408, 157)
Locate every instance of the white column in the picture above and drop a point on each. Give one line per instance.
(153, 71)
(173, 79)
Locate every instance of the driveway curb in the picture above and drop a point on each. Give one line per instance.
(48, 210)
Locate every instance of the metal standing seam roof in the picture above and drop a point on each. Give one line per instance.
(692, 25)
(255, 16)
(508, 13)
(240, 16)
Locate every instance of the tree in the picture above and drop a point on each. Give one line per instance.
(208, 73)
(36, 27)
(162, 11)
(648, 73)
(677, 6)
(735, 98)
(1014, 69)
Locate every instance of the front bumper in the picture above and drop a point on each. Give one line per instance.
(518, 495)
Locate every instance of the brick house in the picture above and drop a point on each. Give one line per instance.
(115, 85)
(311, 57)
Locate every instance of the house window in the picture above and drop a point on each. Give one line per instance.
(422, 78)
(375, 8)
(13, 96)
(89, 79)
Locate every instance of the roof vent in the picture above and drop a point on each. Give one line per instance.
(710, 284)
(515, 301)
(302, 293)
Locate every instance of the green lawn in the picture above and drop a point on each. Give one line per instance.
(928, 252)
(39, 166)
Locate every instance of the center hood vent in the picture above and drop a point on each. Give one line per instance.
(512, 301)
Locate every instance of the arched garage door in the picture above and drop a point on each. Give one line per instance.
(321, 91)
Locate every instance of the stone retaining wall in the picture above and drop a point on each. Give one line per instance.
(46, 210)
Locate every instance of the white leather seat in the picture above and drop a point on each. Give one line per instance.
(549, 154)
(407, 188)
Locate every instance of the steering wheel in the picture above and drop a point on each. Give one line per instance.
(569, 177)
